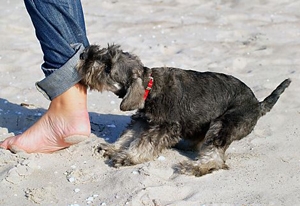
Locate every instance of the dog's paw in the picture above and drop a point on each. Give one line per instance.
(121, 159)
(187, 168)
(106, 150)
(197, 169)
(192, 169)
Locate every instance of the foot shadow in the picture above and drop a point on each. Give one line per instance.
(17, 118)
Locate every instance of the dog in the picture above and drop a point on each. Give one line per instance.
(204, 112)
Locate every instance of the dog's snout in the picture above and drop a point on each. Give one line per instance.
(83, 56)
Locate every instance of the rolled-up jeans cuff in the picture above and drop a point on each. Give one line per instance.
(60, 80)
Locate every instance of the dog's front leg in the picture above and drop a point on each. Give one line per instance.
(133, 131)
(148, 145)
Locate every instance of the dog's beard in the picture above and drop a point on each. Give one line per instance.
(121, 92)
(117, 88)
(100, 81)
(111, 86)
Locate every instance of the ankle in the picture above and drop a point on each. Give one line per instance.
(74, 99)
(71, 107)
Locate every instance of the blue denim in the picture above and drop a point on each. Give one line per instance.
(60, 29)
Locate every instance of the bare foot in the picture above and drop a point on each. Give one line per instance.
(66, 122)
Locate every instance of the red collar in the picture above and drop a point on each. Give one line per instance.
(149, 87)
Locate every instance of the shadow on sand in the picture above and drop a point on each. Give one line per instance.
(17, 118)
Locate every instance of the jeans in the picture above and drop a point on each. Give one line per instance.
(60, 29)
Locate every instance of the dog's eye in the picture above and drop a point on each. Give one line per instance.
(108, 65)
(107, 68)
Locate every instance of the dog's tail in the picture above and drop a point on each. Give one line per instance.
(271, 100)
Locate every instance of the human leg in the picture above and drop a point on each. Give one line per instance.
(65, 123)
(61, 31)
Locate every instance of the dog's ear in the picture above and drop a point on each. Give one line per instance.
(134, 96)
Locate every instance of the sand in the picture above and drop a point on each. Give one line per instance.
(257, 41)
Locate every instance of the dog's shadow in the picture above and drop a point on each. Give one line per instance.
(17, 118)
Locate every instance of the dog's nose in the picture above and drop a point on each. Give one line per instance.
(82, 56)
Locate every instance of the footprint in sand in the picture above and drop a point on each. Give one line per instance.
(17, 167)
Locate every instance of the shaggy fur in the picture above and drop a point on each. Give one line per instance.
(208, 110)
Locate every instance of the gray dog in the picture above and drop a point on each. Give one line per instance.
(206, 110)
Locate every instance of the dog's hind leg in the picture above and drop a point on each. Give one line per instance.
(209, 158)
(233, 125)
(148, 145)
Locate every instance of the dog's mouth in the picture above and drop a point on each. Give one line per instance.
(121, 92)
(118, 89)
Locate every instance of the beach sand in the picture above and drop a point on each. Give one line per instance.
(257, 41)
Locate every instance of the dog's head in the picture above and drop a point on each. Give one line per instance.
(111, 69)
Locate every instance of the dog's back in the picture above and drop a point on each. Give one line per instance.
(192, 94)
(195, 99)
